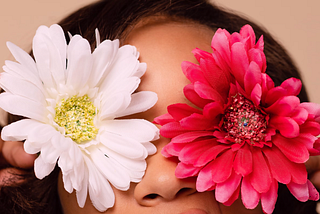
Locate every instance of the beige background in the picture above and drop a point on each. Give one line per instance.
(296, 24)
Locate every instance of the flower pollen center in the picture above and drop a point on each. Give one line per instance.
(76, 116)
(243, 121)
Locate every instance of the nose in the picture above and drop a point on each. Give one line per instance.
(159, 183)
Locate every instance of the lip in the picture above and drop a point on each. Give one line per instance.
(194, 211)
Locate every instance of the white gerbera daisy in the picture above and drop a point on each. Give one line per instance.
(72, 98)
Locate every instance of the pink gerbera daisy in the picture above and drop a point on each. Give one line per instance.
(244, 135)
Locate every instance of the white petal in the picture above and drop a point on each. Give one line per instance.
(141, 70)
(49, 48)
(79, 62)
(22, 106)
(75, 153)
(82, 194)
(59, 40)
(23, 58)
(151, 148)
(105, 198)
(110, 169)
(125, 86)
(49, 154)
(42, 168)
(134, 168)
(30, 148)
(20, 130)
(125, 65)
(60, 142)
(43, 59)
(94, 176)
(103, 56)
(122, 145)
(65, 163)
(137, 129)
(67, 183)
(22, 71)
(117, 103)
(21, 87)
(70, 158)
(73, 176)
(97, 34)
(140, 102)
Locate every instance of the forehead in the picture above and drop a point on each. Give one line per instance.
(164, 46)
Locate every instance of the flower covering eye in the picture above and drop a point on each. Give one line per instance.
(248, 135)
(74, 99)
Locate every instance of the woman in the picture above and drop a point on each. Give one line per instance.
(165, 33)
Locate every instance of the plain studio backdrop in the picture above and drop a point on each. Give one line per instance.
(295, 24)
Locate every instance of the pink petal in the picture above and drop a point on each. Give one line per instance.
(260, 44)
(218, 79)
(166, 153)
(247, 32)
(221, 167)
(225, 190)
(274, 94)
(210, 154)
(300, 115)
(220, 43)
(233, 197)
(207, 92)
(239, 62)
(258, 57)
(284, 106)
(312, 108)
(278, 164)
(286, 125)
(256, 94)
(243, 161)
(196, 122)
(192, 151)
(212, 110)
(269, 199)
(292, 85)
(170, 130)
(261, 176)
(193, 72)
(185, 171)
(235, 37)
(313, 192)
(266, 84)
(172, 149)
(300, 191)
(204, 179)
(250, 197)
(310, 127)
(307, 139)
(294, 150)
(181, 110)
(193, 97)
(191, 136)
(200, 54)
(252, 77)
(163, 119)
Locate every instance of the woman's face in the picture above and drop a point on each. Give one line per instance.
(163, 46)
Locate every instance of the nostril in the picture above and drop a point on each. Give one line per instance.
(150, 196)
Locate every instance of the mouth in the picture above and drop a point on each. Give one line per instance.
(194, 211)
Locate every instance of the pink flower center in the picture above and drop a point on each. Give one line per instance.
(243, 121)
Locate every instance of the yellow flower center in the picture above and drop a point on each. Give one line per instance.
(76, 115)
